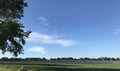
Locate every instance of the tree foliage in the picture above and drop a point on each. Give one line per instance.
(12, 9)
(12, 35)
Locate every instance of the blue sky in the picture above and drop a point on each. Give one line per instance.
(72, 28)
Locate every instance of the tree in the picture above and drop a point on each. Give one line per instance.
(12, 35)
(12, 9)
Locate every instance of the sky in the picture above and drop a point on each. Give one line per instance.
(72, 28)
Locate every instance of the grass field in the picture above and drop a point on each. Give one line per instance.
(59, 67)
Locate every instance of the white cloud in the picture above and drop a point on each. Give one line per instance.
(117, 31)
(43, 21)
(42, 18)
(49, 39)
(37, 49)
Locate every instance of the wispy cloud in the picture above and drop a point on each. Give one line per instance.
(43, 20)
(50, 39)
(117, 31)
(37, 49)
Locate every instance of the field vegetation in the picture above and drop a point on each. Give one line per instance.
(59, 67)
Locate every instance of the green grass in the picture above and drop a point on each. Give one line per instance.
(59, 67)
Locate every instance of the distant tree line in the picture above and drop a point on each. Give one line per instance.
(21, 59)
(86, 58)
(63, 58)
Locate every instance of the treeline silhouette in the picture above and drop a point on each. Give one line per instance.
(62, 58)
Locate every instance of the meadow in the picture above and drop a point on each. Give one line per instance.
(59, 67)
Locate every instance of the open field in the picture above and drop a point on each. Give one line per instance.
(59, 67)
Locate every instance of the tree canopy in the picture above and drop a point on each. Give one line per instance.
(12, 35)
(12, 9)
